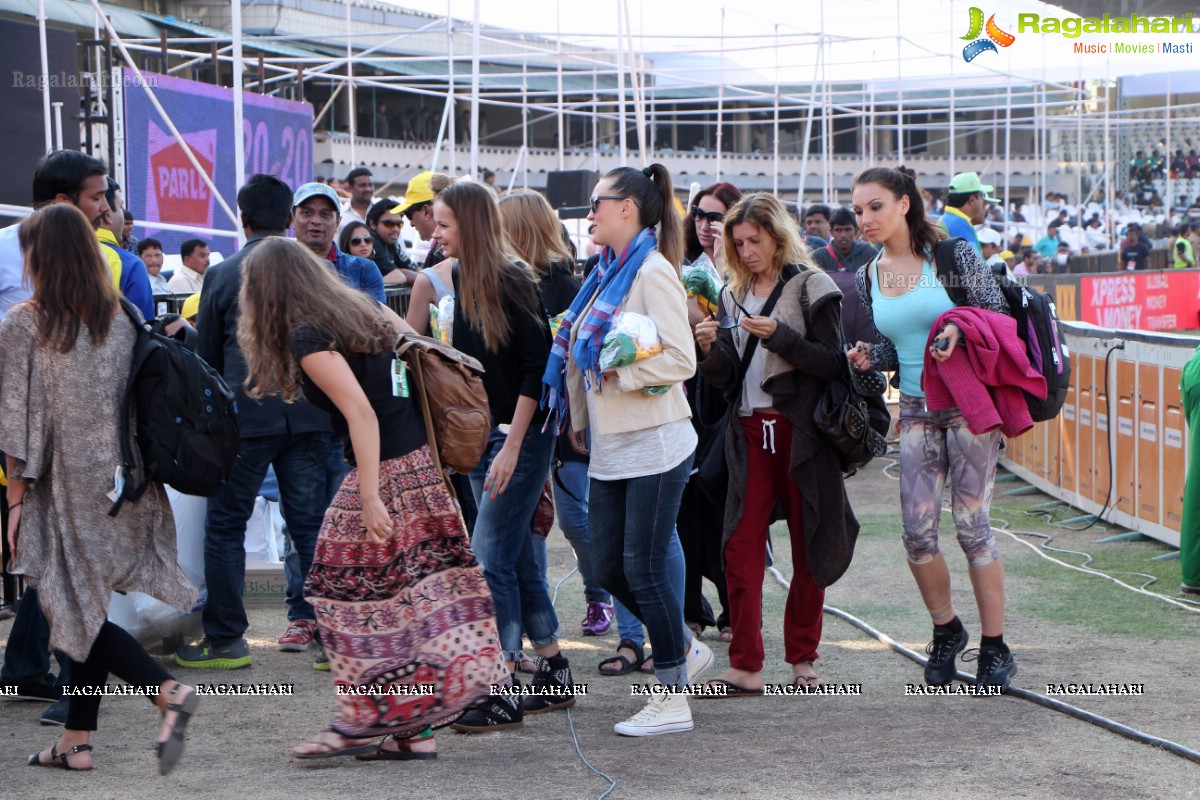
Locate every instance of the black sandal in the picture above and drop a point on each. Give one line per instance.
(170, 750)
(626, 665)
(58, 759)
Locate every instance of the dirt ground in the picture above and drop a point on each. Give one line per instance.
(881, 744)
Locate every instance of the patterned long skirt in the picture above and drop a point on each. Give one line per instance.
(408, 624)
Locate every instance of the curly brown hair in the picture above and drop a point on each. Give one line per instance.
(284, 286)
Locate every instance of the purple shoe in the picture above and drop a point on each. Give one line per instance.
(598, 619)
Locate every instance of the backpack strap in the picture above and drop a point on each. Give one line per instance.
(130, 490)
(948, 272)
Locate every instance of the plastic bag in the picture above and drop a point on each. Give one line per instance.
(556, 323)
(441, 319)
(632, 337)
(703, 284)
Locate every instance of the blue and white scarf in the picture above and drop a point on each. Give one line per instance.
(612, 278)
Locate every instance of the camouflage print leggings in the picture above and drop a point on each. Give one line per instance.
(934, 445)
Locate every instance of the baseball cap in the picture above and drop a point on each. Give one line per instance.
(308, 190)
(420, 190)
(191, 306)
(969, 183)
(1007, 254)
(989, 236)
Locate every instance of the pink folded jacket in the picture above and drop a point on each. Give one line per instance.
(987, 378)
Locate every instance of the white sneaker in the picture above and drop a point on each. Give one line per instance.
(664, 713)
(699, 659)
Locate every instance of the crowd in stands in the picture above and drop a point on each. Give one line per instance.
(380, 548)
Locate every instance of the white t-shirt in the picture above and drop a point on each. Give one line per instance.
(636, 454)
(753, 395)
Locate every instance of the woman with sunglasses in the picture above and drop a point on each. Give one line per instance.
(702, 233)
(356, 240)
(778, 344)
(641, 442)
(700, 519)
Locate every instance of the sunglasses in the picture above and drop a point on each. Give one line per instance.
(391, 223)
(355, 241)
(732, 322)
(712, 217)
(597, 198)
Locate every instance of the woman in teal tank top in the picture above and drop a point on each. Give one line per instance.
(904, 297)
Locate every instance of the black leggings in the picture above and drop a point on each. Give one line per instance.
(113, 651)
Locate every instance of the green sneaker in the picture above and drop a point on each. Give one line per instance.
(321, 661)
(203, 655)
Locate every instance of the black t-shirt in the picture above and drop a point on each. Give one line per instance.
(401, 428)
(1137, 253)
(516, 371)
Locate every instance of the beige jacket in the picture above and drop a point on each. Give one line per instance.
(622, 407)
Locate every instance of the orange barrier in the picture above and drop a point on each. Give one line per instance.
(1126, 412)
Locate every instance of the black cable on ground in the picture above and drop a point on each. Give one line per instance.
(1056, 705)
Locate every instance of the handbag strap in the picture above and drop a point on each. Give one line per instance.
(423, 401)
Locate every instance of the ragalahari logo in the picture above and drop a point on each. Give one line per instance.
(995, 36)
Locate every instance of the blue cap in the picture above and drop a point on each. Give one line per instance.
(317, 190)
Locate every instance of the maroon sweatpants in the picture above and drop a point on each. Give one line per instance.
(768, 449)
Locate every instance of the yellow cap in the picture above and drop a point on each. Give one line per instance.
(191, 307)
(1007, 254)
(420, 190)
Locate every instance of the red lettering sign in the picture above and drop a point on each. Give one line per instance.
(1150, 301)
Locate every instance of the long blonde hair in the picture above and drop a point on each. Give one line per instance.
(283, 286)
(490, 279)
(533, 230)
(765, 212)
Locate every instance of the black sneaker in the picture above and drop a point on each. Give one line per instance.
(940, 669)
(553, 679)
(496, 712)
(55, 714)
(204, 655)
(996, 666)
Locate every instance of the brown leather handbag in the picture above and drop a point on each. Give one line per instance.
(449, 387)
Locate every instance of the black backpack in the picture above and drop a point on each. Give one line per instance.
(186, 419)
(1037, 325)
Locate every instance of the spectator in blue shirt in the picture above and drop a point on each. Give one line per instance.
(1047, 246)
(316, 216)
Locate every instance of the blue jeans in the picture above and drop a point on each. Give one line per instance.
(299, 461)
(27, 654)
(571, 506)
(629, 626)
(504, 547)
(336, 470)
(632, 526)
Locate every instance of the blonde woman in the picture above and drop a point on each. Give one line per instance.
(780, 346)
(399, 598)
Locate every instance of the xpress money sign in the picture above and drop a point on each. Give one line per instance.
(163, 184)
